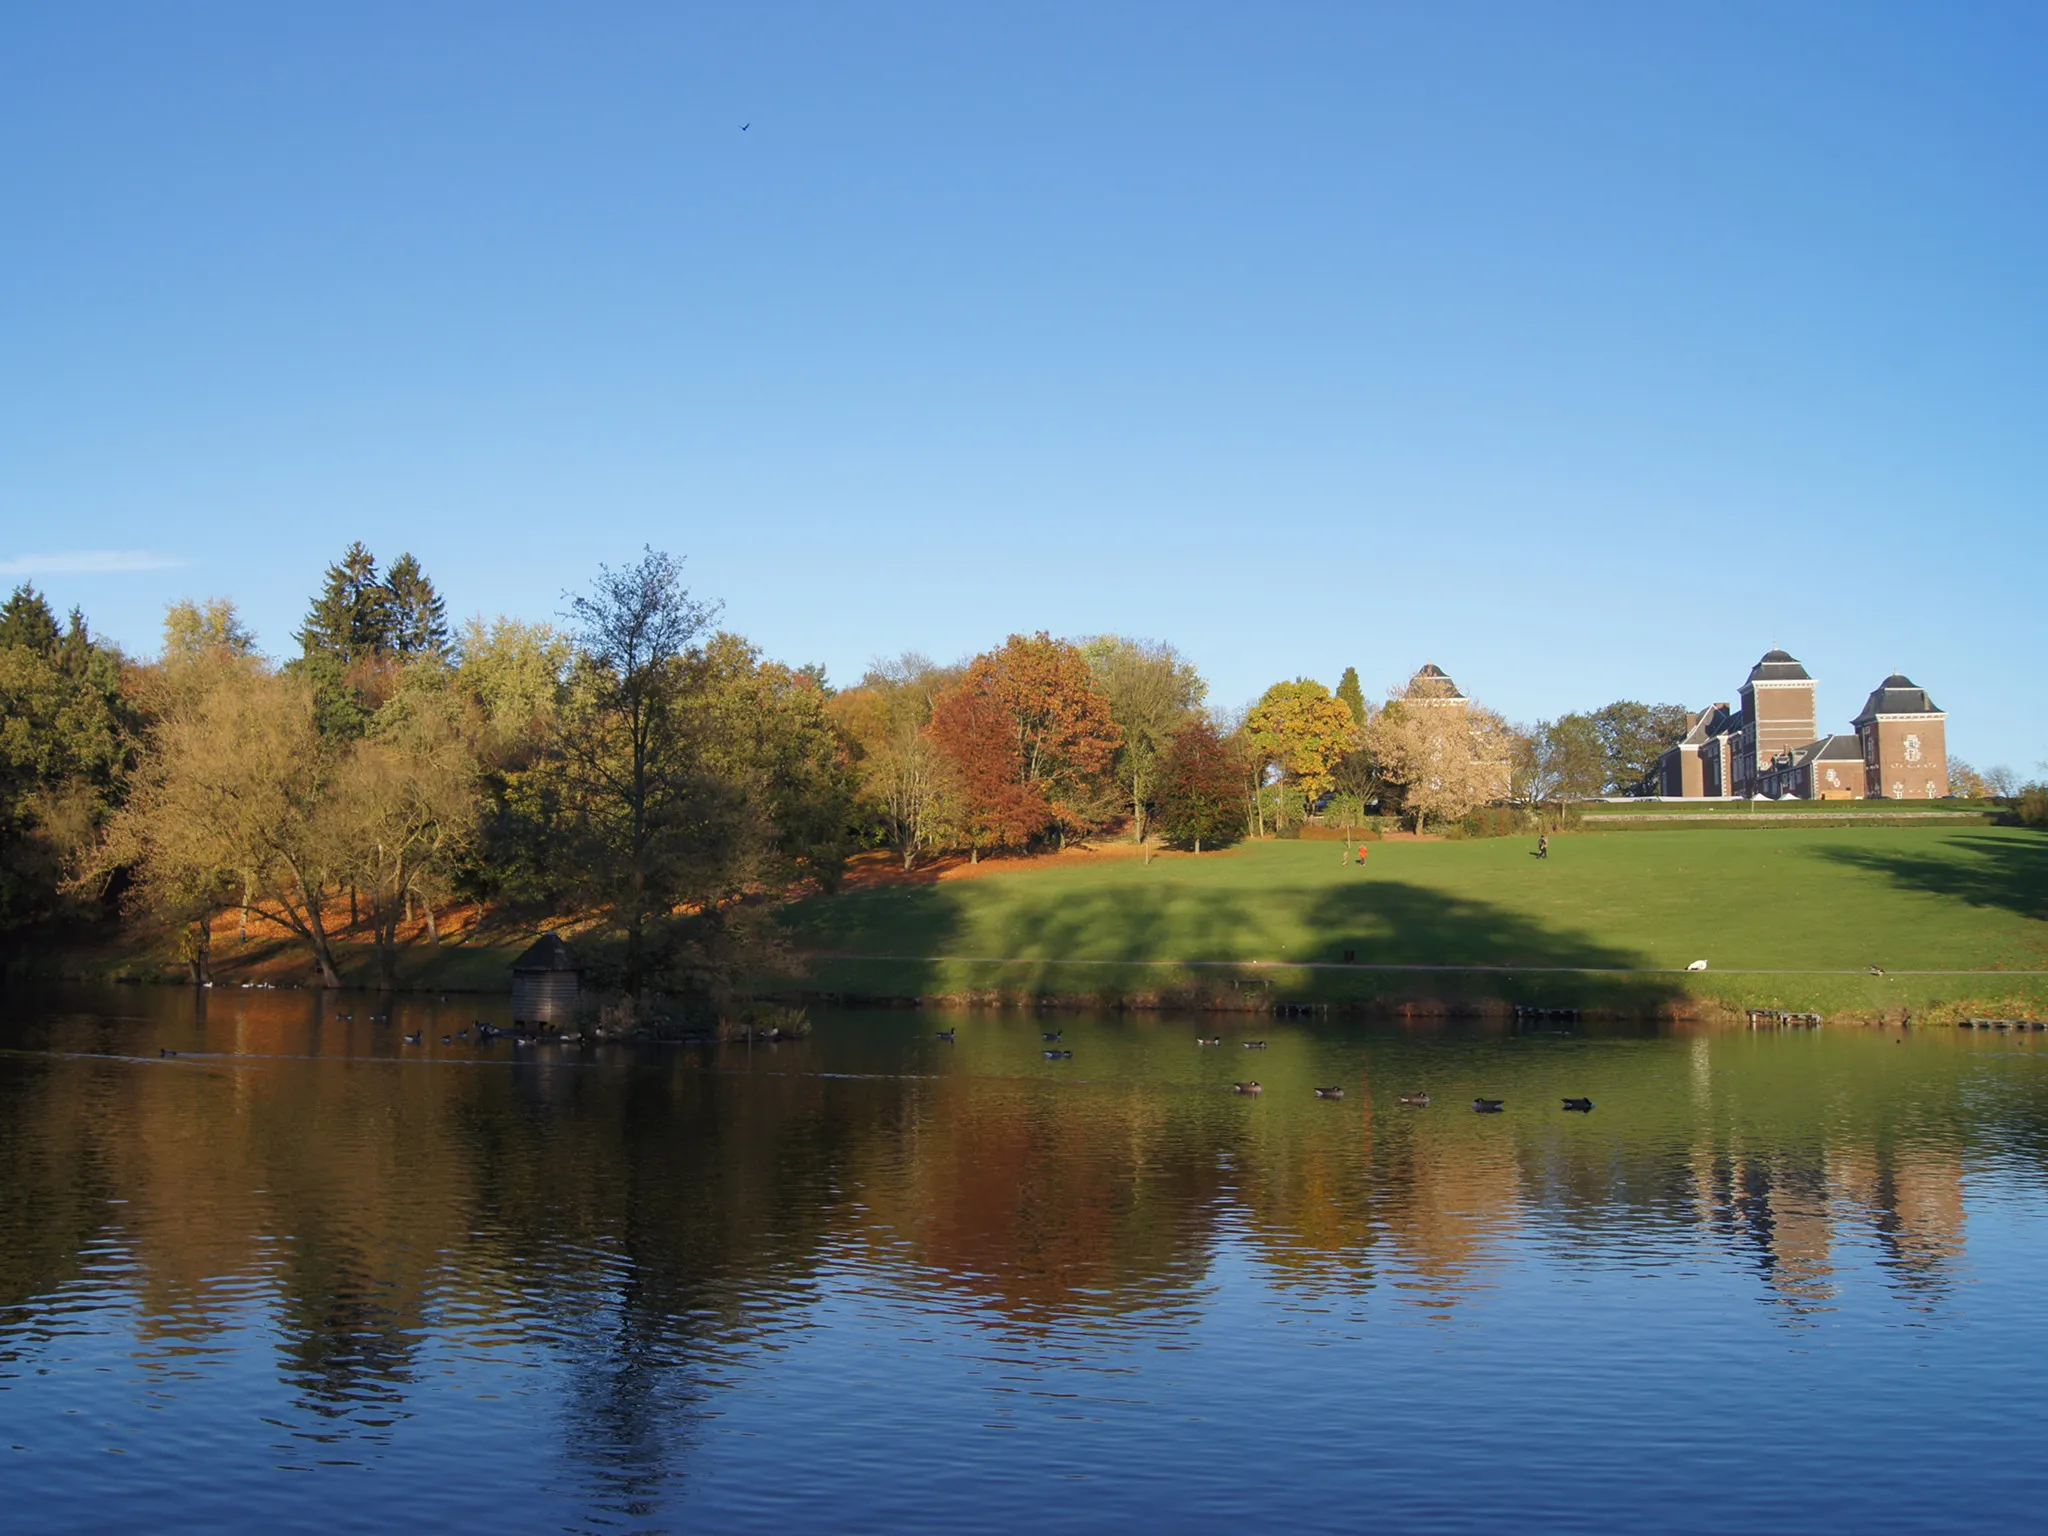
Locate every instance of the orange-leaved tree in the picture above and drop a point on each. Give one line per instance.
(1029, 735)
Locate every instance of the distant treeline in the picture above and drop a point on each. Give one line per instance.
(641, 764)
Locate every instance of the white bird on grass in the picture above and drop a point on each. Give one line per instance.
(1697, 965)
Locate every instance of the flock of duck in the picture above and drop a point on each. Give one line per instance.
(485, 1032)
(1055, 1050)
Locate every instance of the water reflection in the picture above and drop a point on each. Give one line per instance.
(631, 1243)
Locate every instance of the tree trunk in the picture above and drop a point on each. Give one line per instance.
(1198, 845)
(323, 955)
(354, 917)
(433, 927)
(201, 943)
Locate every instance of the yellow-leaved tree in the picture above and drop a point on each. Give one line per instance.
(1304, 732)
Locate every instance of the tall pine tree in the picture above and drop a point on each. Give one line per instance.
(26, 620)
(418, 624)
(1352, 695)
(350, 620)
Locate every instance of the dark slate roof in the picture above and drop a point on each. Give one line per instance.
(548, 953)
(1778, 667)
(1896, 695)
(1714, 720)
(1837, 748)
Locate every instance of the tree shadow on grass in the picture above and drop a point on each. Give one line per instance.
(2008, 873)
(1072, 941)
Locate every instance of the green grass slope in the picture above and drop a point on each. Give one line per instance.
(1786, 917)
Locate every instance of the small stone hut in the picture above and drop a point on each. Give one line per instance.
(547, 983)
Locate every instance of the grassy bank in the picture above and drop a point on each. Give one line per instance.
(1787, 916)
(478, 962)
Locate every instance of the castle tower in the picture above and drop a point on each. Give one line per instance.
(1778, 717)
(1905, 742)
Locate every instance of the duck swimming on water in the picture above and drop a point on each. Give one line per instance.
(1488, 1106)
(1247, 1088)
(1329, 1093)
(1582, 1106)
(1416, 1100)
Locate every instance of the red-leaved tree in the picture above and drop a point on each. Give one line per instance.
(1030, 738)
(1201, 793)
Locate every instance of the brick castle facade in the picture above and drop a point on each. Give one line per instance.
(1770, 744)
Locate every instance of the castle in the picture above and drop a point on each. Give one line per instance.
(1771, 745)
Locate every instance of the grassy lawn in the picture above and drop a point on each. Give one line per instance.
(1883, 809)
(1951, 898)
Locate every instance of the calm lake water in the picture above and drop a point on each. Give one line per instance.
(302, 1276)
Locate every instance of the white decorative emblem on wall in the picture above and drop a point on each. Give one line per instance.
(1834, 779)
(1912, 749)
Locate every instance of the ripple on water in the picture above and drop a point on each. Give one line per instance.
(859, 1284)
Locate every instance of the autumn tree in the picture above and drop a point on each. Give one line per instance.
(516, 672)
(1028, 733)
(1965, 782)
(1304, 732)
(1447, 759)
(1152, 692)
(906, 781)
(236, 793)
(404, 805)
(193, 630)
(1200, 793)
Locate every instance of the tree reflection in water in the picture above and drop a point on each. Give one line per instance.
(641, 1224)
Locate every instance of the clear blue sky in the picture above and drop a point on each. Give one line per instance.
(1588, 350)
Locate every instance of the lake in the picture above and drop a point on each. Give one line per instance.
(303, 1276)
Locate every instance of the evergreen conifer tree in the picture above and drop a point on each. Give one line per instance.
(26, 620)
(1352, 695)
(418, 616)
(351, 618)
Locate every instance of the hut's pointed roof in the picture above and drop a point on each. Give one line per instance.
(547, 953)
(1433, 684)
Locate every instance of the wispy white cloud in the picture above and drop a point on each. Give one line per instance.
(88, 562)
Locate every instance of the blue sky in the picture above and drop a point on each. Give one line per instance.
(1588, 350)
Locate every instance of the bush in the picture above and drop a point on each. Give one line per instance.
(1492, 821)
(2033, 806)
